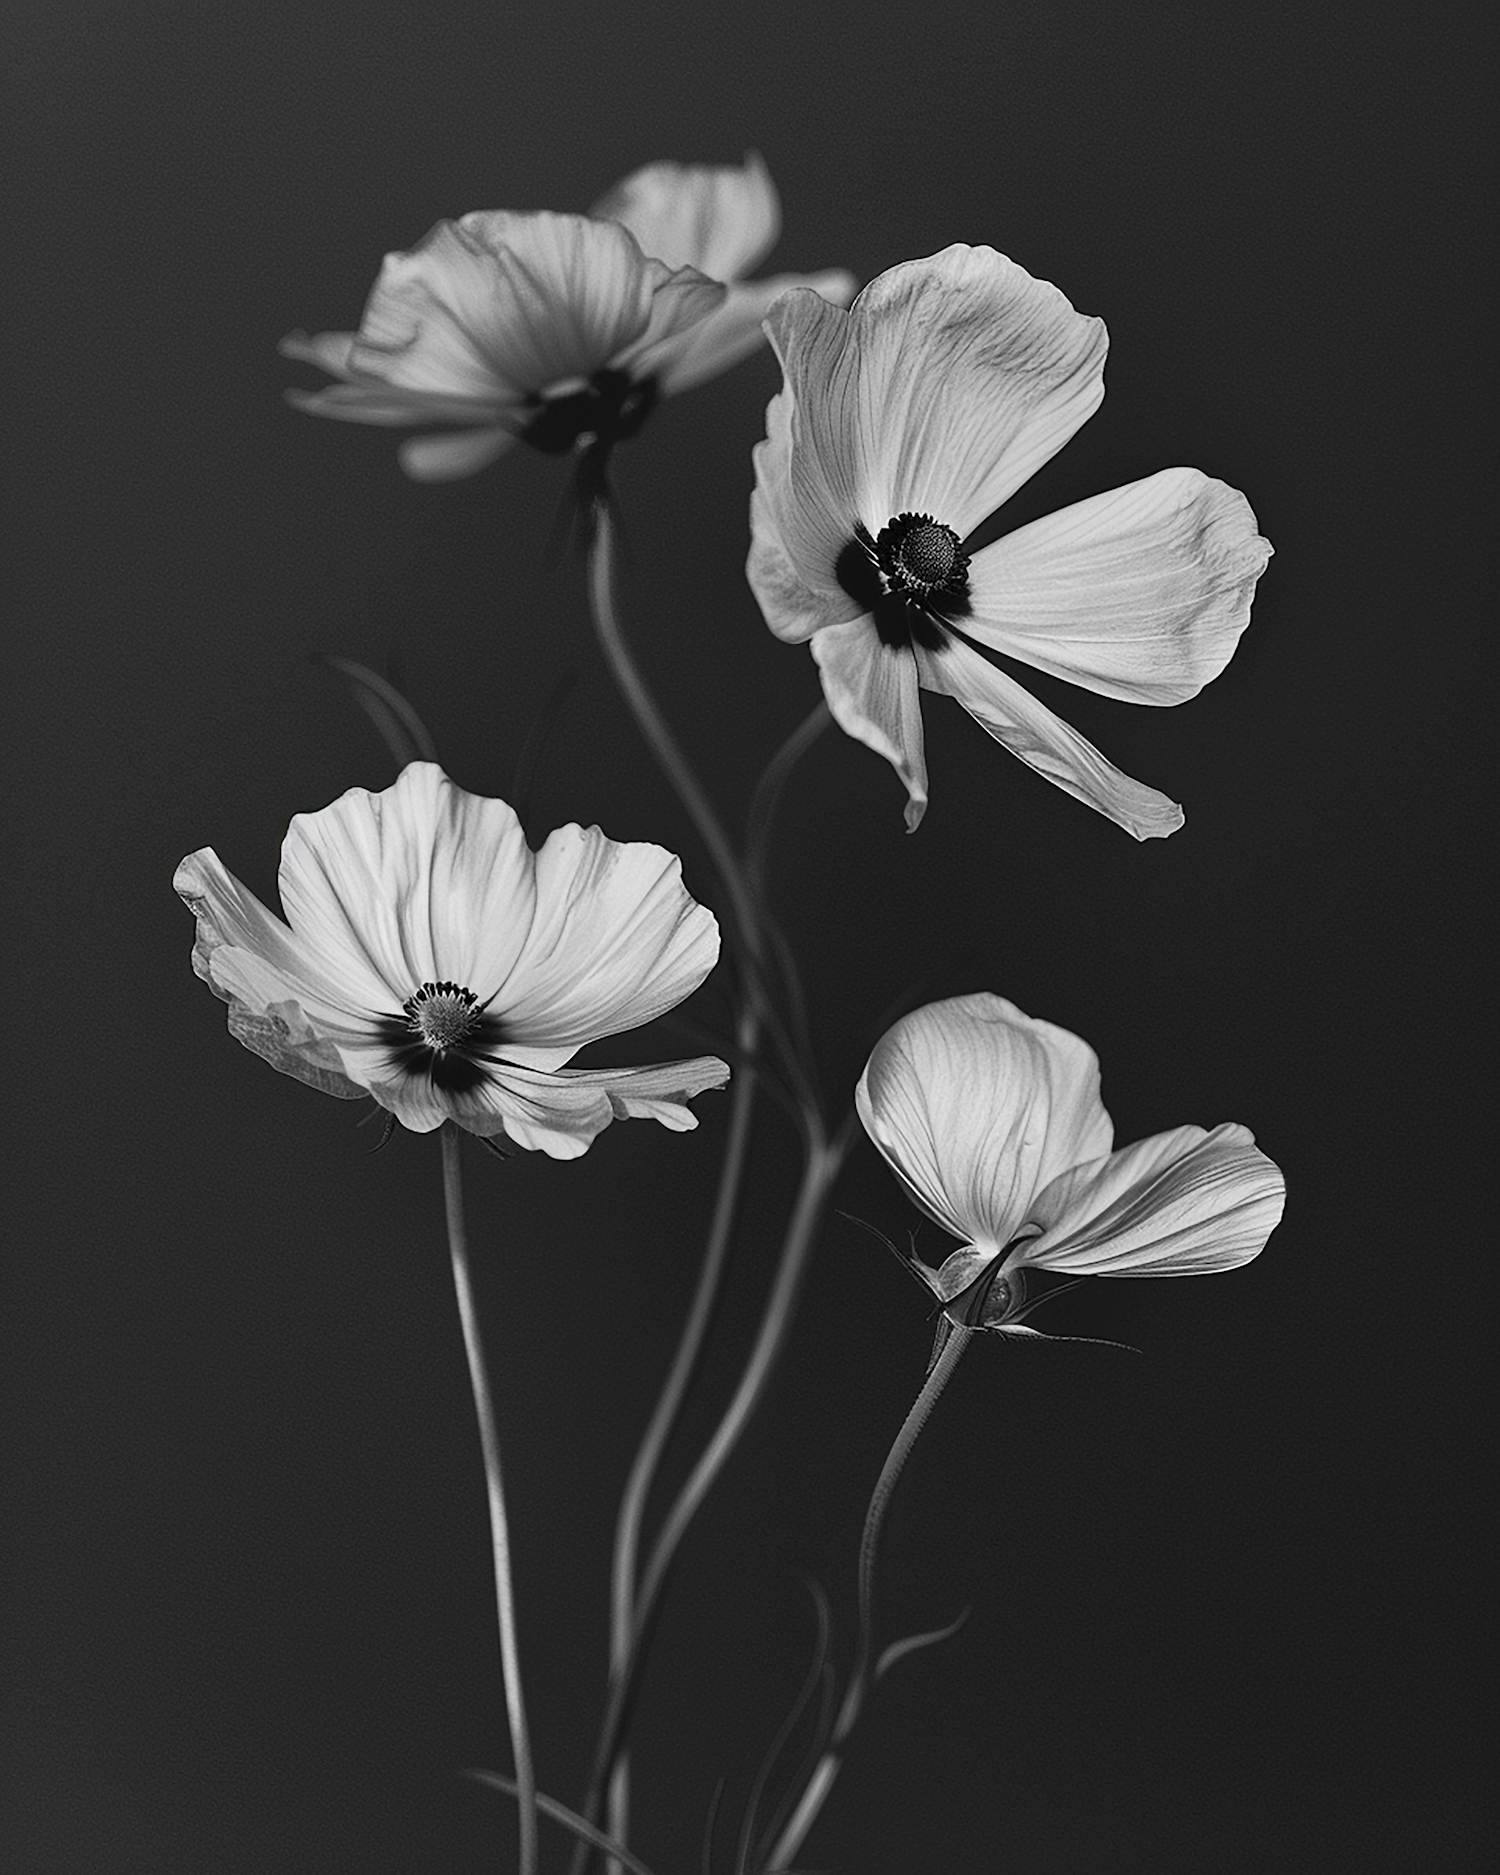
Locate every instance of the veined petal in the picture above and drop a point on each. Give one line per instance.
(720, 220)
(614, 940)
(872, 691)
(976, 1106)
(947, 384)
(285, 1003)
(1045, 742)
(567, 296)
(455, 453)
(736, 329)
(1140, 594)
(420, 883)
(1184, 1203)
(793, 607)
(562, 1113)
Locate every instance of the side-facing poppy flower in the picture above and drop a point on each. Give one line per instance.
(431, 959)
(555, 329)
(532, 326)
(723, 221)
(992, 1122)
(903, 423)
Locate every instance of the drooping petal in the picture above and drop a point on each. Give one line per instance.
(286, 1001)
(445, 457)
(737, 328)
(615, 940)
(1043, 741)
(872, 692)
(719, 219)
(976, 1106)
(421, 883)
(1139, 594)
(370, 401)
(329, 351)
(947, 384)
(1184, 1203)
(562, 1113)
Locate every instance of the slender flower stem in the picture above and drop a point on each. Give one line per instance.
(489, 1441)
(819, 1172)
(861, 1679)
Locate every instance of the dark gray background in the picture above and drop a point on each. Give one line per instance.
(1225, 1591)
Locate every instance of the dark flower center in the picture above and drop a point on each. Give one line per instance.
(911, 578)
(601, 411)
(444, 1034)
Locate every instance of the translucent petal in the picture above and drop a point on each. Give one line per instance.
(872, 692)
(721, 220)
(456, 453)
(1183, 1203)
(947, 384)
(562, 1113)
(614, 940)
(1140, 594)
(976, 1106)
(737, 328)
(1044, 741)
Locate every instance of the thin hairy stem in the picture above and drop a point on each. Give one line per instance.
(861, 1679)
(489, 1440)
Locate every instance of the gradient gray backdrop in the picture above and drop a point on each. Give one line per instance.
(1224, 1591)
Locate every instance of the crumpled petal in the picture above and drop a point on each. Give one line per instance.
(948, 383)
(976, 1106)
(1140, 594)
(1183, 1203)
(285, 1003)
(717, 218)
(873, 694)
(1044, 741)
(613, 941)
(562, 1113)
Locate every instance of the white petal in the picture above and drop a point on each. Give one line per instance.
(456, 453)
(372, 402)
(1140, 594)
(720, 220)
(872, 692)
(420, 883)
(615, 940)
(1184, 1203)
(565, 296)
(948, 383)
(976, 1107)
(793, 609)
(436, 320)
(1044, 741)
(330, 351)
(561, 1114)
(286, 1001)
(736, 328)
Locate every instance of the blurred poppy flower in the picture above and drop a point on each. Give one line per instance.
(431, 959)
(906, 421)
(992, 1122)
(556, 330)
(723, 221)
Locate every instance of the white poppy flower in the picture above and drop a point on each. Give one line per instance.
(431, 959)
(903, 423)
(557, 329)
(723, 221)
(993, 1123)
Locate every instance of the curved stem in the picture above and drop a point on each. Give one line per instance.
(821, 1168)
(860, 1680)
(748, 917)
(767, 794)
(489, 1441)
(679, 1379)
